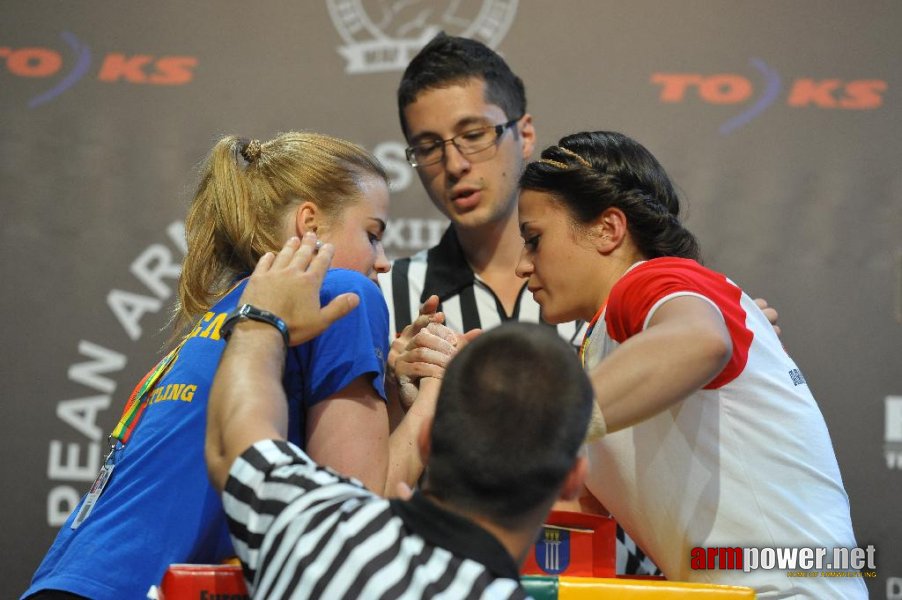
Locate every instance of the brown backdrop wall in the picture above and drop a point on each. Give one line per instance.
(780, 122)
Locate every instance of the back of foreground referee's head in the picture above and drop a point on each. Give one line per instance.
(510, 421)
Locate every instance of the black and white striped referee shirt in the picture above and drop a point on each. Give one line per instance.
(466, 300)
(302, 531)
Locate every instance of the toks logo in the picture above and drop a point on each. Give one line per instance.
(730, 88)
(37, 62)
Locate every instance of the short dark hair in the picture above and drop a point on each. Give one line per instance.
(448, 60)
(590, 172)
(511, 417)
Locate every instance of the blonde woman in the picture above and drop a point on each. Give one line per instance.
(157, 506)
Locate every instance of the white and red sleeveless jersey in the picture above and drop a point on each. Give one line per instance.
(746, 461)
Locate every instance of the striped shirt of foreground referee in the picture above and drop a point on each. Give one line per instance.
(504, 446)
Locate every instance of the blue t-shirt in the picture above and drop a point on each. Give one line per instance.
(159, 507)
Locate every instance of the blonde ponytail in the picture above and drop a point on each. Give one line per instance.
(244, 192)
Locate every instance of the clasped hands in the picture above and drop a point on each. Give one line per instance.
(423, 350)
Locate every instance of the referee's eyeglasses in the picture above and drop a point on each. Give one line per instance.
(470, 142)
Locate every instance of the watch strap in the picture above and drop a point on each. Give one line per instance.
(250, 312)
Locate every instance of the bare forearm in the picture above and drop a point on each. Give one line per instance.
(247, 402)
(405, 462)
(348, 431)
(659, 367)
(393, 398)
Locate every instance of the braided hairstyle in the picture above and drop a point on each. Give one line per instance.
(590, 172)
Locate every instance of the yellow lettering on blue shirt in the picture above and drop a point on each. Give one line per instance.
(173, 391)
(196, 331)
(212, 330)
(209, 325)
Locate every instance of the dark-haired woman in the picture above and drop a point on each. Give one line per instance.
(713, 437)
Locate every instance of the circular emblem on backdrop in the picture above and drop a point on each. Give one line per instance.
(386, 34)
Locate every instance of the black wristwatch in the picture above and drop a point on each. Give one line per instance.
(248, 311)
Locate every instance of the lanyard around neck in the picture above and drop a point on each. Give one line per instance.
(137, 401)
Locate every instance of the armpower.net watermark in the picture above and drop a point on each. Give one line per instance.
(797, 562)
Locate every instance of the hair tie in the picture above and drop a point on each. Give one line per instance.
(579, 158)
(554, 163)
(251, 151)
